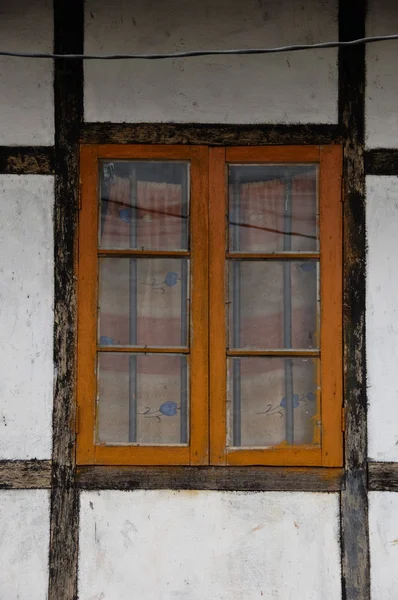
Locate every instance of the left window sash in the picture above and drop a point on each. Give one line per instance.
(142, 305)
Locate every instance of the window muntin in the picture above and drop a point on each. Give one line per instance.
(275, 218)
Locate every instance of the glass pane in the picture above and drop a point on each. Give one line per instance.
(272, 401)
(144, 204)
(143, 301)
(273, 208)
(142, 399)
(273, 304)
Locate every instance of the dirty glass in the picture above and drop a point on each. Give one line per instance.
(143, 302)
(273, 208)
(142, 399)
(273, 305)
(144, 205)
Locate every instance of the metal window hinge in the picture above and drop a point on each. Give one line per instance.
(79, 199)
(343, 419)
(77, 424)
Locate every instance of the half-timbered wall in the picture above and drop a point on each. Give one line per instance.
(243, 533)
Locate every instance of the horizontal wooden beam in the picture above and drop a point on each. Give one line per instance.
(27, 160)
(381, 161)
(25, 474)
(214, 135)
(211, 478)
(383, 477)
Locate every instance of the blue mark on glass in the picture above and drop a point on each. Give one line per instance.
(171, 278)
(311, 397)
(125, 214)
(307, 267)
(106, 341)
(295, 401)
(168, 409)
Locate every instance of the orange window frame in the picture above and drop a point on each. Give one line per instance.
(208, 352)
(87, 451)
(330, 452)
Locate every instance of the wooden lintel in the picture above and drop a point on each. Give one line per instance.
(211, 478)
(209, 134)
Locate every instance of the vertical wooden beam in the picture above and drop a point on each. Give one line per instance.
(68, 100)
(354, 501)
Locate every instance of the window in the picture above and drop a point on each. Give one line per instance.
(210, 306)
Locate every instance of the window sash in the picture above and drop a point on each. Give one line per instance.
(197, 451)
(330, 452)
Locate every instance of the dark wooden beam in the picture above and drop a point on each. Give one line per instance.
(354, 500)
(383, 477)
(213, 135)
(25, 474)
(381, 161)
(211, 478)
(68, 100)
(27, 160)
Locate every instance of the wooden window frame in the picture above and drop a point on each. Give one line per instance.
(208, 351)
(330, 453)
(197, 451)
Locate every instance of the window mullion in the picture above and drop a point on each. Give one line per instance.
(217, 280)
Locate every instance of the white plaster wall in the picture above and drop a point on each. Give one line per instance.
(26, 316)
(26, 86)
(382, 76)
(209, 546)
(24, 538)
(382, 316)
(383, 533)
(292, 87)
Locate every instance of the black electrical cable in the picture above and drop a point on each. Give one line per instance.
(193, 53)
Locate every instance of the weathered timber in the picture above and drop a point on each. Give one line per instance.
(25, 474)
(68, 99)
(209, 134)
(354, 501)
(27, 160)
(211, 478)
(381, 161)
(383, 477)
